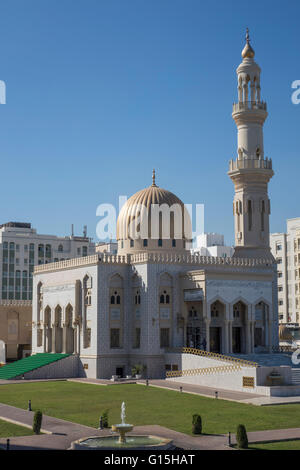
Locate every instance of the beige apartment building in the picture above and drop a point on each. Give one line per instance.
(285, 248)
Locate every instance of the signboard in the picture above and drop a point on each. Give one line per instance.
(193, 295)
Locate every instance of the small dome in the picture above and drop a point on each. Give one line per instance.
(284, 333)
(248, 51)
(140, 216)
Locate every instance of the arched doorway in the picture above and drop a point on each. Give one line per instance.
(47, 327)
(238, 327)
(261, 328)
(69, 330)
(58, 329)
(194, 338)
(217, 314)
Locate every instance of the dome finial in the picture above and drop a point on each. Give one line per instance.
(247, 35)
(248, 51)
(153, 177)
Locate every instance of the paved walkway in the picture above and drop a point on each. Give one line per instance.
(59, 434)
(201, 390)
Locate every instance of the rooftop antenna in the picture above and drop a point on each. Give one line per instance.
(72, 230)
(85, 231)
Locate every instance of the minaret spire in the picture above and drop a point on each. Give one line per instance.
(247, 35)
(153, 177)
(248, 52)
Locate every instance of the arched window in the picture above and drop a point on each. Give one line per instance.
(60, 248)
(137, 298)
(164, 298)
(118, 299)
(145, 242)
(112, 299)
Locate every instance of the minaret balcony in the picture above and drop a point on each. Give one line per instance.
(248, 105)
(250, 164)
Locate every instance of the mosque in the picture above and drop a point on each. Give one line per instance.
(113, 311)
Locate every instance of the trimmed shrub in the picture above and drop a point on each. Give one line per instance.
(37, 422)
(105, 418)
(241, 437)
(197, 424)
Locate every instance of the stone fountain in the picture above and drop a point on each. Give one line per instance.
(122, 428)
(121, 442)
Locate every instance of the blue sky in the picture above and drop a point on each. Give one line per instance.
(100, 92)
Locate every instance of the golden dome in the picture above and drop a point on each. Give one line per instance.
(284, 333)
(248, 51)
(140, 215)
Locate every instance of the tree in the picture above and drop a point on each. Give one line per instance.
(197, 424)
(241, 437)
(37, 422)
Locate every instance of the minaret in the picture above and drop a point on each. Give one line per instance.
(250, 171)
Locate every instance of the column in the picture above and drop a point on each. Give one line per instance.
(45, 339)
(207, 335)
(252, 335)
(64, 341)
(248, 337)
(270, 334)
(77, 335)
(230, 336)
(54, 331)
(226, 337)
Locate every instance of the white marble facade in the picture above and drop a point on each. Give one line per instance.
(114, 313)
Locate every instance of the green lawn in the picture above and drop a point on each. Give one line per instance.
(281, 445)
(10, 429)
(84, 403)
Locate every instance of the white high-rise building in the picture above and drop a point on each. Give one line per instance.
(212, 244)
(21, 247)
(285, 248)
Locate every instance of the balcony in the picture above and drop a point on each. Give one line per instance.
(246, 105)
(250, 163)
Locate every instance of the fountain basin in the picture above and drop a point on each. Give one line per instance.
(136, 442)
